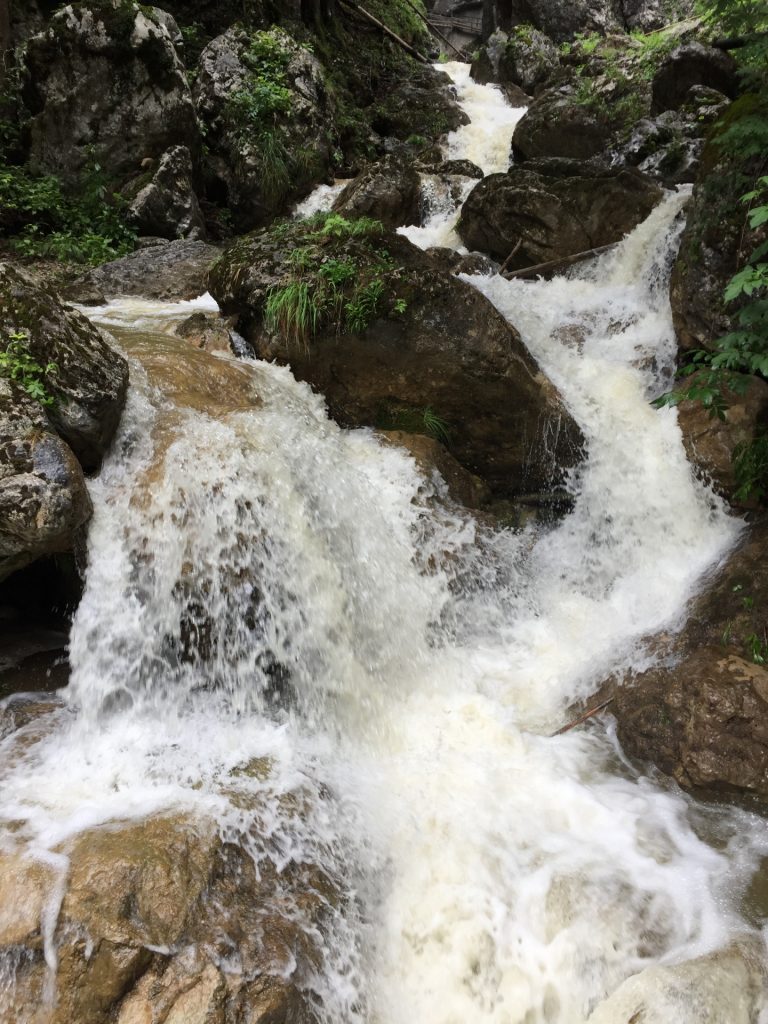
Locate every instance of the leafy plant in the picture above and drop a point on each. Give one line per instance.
(750, 466)
(18, 364)
(363, 306)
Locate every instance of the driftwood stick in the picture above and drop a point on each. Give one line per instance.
(433, 29)
(584, 717)
(387, 31)
(511, 256)
(565, 261)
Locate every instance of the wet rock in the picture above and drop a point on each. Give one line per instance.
(388, 191)
(206, 332)
(440, 467)
(80, 104)
(668, 147)
(555, 208)
(91, 378)
(716, 241)
(168, 270)
(150, 917)
(692, 64)
(166, 206)
(434, 344)
(422, 101)
(524, 59)
(259, 169)
(557, 125)
(701, 715)
(44, 502)
(463, 168)
(711, 442)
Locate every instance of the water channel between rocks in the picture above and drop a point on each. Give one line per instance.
(395, 671)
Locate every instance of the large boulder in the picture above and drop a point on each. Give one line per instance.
(388, 191)
(389, 334)
(166, 205)
(525, 58)
(44, 502)
(558, 124)
(152, 918)
(692, 64)
(269, 116)
(550, 209)
(90, 380)
(701, 714)
(167, 271)
(104, 82)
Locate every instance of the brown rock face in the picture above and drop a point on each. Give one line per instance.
(711, 442)
(432, 458)
(702, 715)
(556, 208)
(435, 344)
(150, 914)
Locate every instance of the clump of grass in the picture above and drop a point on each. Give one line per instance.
(293, 311)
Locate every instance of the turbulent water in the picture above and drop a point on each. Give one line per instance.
(263, 584)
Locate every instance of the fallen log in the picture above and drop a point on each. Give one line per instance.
(387, 31)
(435, 31)
(560, 264)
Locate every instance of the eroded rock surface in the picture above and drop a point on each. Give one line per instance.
(166, 206)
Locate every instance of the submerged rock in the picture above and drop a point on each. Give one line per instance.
(90, 379)
(206, 332)
(554, 208)
(80, 105)
(402, 337)
(440, 467)
(163, 920)
(701, 715)
(168, 270)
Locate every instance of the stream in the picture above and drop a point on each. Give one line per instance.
(400, 668)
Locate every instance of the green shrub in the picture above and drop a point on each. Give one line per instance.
(18, 364)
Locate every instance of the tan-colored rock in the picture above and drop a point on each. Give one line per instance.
(432, 458)
(150, 912)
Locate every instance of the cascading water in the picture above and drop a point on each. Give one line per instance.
(264, 585)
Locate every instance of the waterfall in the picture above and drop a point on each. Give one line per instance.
(265, 585)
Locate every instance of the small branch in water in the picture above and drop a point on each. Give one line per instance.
(511, 256)
(584, 717)
(387, 31)
(562, 263)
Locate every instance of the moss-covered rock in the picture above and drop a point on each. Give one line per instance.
(393, 340)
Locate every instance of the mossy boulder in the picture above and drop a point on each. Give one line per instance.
(392, 339)
(525, 59)
(90, 380)
(269, 120)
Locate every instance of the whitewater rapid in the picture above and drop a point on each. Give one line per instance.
(404, 669)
